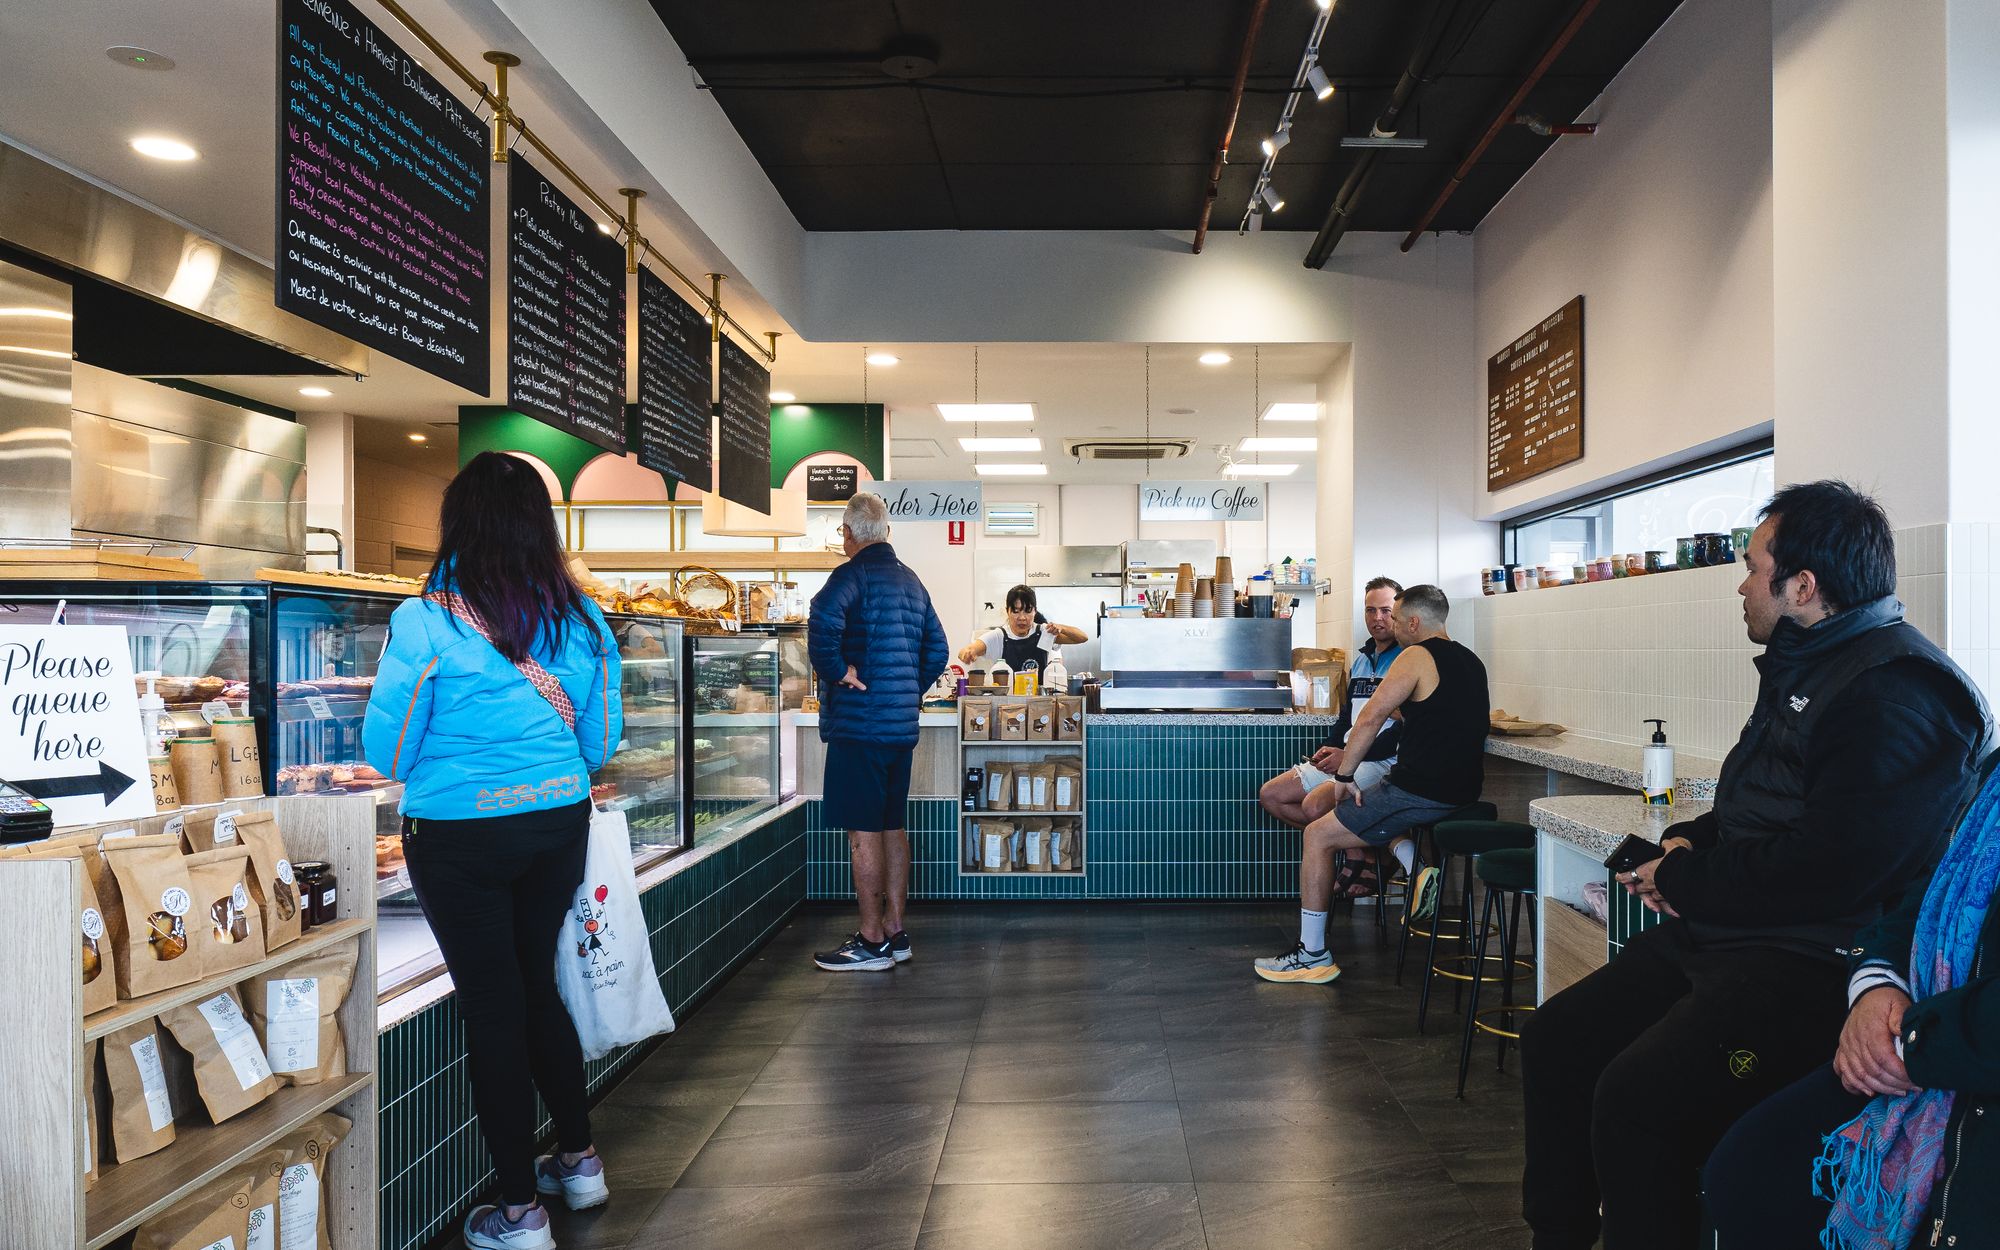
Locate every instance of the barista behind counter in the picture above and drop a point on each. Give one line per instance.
(1025, 636)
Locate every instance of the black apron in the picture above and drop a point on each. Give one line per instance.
(1018, 652)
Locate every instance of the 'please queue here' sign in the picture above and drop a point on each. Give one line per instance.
(72, 735)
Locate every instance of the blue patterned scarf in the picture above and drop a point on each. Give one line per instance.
(1878, 1168)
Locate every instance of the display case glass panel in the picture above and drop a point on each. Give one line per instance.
(735, 693)
(324, 649)
(643, 779)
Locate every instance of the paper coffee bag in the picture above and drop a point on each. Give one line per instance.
(230, 1070)
(295, 1010)
(228, 930)
(272, 885)
(135, 1080)
(150, 925)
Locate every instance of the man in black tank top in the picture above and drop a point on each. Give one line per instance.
(1437, 689)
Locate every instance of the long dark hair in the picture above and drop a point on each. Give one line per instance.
(497, 548)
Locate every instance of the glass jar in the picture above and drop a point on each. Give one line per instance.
(1722, 549)
(318, 892)
(1656, 562)
(1685, 553)
(1580, 573)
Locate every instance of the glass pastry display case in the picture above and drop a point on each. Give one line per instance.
(645, 778)
(735, 697)
(324, 645)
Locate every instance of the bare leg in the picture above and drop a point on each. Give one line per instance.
(1284, 797)
(1322, 838)
(896, 854)
(870, 871)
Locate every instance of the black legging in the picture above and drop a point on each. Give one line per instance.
(1758, 1183)
(491, 889)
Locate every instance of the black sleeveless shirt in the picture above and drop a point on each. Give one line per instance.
(1441, 753)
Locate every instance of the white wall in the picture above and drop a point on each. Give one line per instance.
(330, 480)
(1662, 221)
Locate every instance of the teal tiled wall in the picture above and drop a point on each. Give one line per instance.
(704, 921)
(1170, 812)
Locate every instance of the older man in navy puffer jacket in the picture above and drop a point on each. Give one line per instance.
(877, 645)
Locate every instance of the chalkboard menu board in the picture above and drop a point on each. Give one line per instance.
(745, 472)
(1534, 400)
(831, 483)
(669, 424)
(565, 313)
(383, 228)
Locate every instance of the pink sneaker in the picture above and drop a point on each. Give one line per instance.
(581, 1186)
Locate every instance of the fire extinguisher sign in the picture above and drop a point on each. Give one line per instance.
(955, 533)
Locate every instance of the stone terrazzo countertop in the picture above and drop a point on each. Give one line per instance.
(1599, 759)
(1218, 719)
(1596, 823)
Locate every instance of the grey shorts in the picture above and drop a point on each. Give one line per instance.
(1386, 813)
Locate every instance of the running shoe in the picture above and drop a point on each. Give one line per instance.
(488, 1228)
(581, 1186)
(1299, 965)
(857, 954)
(1423, 894)
(899, 946)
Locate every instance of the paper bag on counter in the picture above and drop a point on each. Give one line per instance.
(999, 787)
(1042, 719)
(1035, 837)
(975, 719)
(1011, 722)
(296, 1011)
(150, 925)
(205, 829)
(996, 846)
(229, 1065)
(227, 930)
(214, 1217)
(302, 1185)
(272, 885)
(1326, 686)
(1069, 718)
(135, 1081)
(1067, 791)
(96, 948)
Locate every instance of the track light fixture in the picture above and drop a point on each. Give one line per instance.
(1278, 139)
(1271, 198)
(1322, 86)
(1256, 216)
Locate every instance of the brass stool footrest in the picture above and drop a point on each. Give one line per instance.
(1494, 1030)
(1523, 969)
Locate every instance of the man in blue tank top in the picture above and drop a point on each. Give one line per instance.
(1438, 689)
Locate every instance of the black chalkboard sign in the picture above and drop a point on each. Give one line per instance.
(670, 423)
(745, 471)
(1534, 399)
(383, 195)
(831, 483)
(565, 312)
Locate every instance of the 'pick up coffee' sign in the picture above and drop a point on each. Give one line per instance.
(72, 736)
(1201, 501)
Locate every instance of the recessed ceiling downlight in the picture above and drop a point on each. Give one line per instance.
(1213, 358)
(315, 392)
(139, 58)
(161, 148)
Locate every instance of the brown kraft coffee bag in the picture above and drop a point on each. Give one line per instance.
(272, 885)
(229, 1065)
(135, 1079)
(150, 927)
(295, 1010)
(301, 1187)
(228, 929)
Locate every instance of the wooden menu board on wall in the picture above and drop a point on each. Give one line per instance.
(1534, 400)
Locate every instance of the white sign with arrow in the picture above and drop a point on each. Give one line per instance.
(72, 736)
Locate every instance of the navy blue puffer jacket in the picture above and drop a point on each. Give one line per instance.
(875, 614)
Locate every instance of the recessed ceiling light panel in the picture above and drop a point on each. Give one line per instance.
(1278, 444)
(1011, 470)
(1213, 358)
(1259, 470)
(1000, 444)
(315, 392)
(782, 397)
(986, 412)
(1291, 412)
(161, 148)
(882, 360)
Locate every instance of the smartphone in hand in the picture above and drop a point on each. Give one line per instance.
(1631, 853)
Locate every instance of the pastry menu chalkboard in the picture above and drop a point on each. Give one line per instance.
(1534, 400)
(744, 474)
(565, 313)
(670, 423)
(383, 194)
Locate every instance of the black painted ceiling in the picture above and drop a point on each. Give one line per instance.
(1105, 114)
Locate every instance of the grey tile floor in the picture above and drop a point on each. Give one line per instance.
(1052, 1075)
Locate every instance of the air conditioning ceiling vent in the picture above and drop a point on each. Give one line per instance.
(1127, 448)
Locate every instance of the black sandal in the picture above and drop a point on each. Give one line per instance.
(1358, 878)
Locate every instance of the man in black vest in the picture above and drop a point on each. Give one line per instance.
(1835, 800)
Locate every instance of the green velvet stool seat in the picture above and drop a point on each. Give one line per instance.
(1459, 837)
(1507, 874)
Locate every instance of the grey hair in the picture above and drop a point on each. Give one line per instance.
(866, 518)
(1427, 602)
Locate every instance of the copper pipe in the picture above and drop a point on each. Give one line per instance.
(1229, 128)
(1503, 119)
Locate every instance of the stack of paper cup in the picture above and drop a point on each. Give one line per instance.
(1225, 579)
(1204, 597)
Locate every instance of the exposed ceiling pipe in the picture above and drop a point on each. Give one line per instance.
(1257, 8)
(1503, 117)
(1444, 14)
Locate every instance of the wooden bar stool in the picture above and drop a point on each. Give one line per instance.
(1503, 872)
(1461, 838)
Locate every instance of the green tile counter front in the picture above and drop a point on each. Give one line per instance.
(1170, 812)
(719, 903)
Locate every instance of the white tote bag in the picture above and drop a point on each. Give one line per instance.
(604, 955)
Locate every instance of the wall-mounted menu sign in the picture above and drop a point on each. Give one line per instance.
(565, 313)
(670, 423)
(1534, 400)
(744, 474)
(383, 230)
(1201, 501)
(831, 483)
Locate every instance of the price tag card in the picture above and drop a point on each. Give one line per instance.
(319, 707)
(213, 710)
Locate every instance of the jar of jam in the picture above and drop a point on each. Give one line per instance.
(318, 889)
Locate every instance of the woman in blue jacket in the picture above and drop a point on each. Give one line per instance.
(496, 698)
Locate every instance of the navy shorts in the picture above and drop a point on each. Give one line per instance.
(1386, 813)
(867, 786)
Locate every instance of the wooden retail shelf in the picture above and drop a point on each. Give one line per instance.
(987, 813)
(128, 1194)
(339, 581)
(88, 564)
(135, 1010)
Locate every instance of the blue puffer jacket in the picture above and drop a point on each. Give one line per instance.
(875, 614)
(470, 736)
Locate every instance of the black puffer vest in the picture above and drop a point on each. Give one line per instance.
(1761, 790)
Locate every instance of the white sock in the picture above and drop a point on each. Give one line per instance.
(1406, 854)
(1312, 930)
